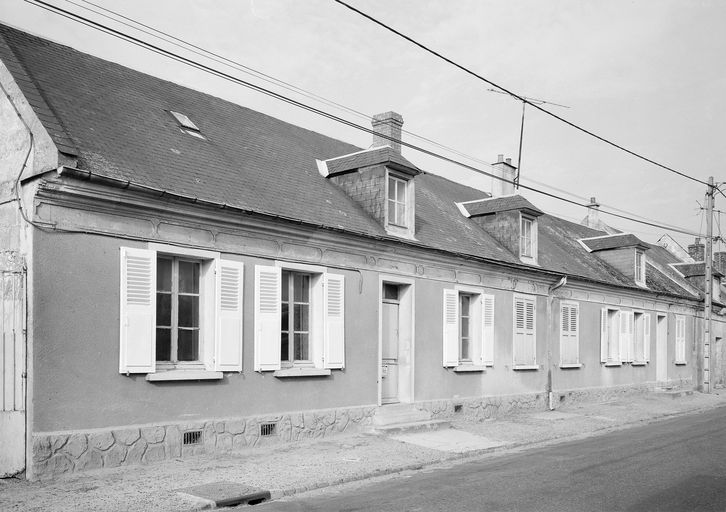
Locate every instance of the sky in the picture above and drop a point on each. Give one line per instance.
(647, 75)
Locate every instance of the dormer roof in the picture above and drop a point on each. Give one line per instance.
(492, 205)
(694, 269)
(616, 241)
(382, 155)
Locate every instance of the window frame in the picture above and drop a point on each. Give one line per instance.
(639, 267)
(610, 342)
(392, 204)
(404, 227)
(291, 361)
(680, 340)
(527, 242)
(481, 330)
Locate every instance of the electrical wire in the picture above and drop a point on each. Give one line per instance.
(520, 98)
(202, 67)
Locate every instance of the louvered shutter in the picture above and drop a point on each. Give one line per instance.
(451, 328)
(334, 344)
(680, 339)
(229, 279)
(137, 351)
(524, 328)
(646, 337)
(604, 335)
(267, 318)
(487, 330)
(569, 334)
(626, 336)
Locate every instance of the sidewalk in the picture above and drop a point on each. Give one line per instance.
(294, 468)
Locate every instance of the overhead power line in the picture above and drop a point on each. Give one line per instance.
(519, 97)
(203, 67)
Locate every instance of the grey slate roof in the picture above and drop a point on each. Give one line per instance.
(493, 205)
(617, 241)
(116, 121)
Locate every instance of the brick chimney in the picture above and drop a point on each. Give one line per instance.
(719, 261)
(506, 170)
(697, 250)
(388, 124)
(593, 214)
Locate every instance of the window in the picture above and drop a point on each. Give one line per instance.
(468, 321)
(610, 351)
(181, 313)
(177, 309)
(640, 267)
(641, 344)
(528, 239)
(299, 320)
(186, 125)
(525, 343)
(569, 334)
(295, 318)
(397, 201)
(680, 339)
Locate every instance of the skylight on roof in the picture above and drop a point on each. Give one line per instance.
(187, 125)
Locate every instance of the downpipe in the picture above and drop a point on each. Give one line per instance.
(550, 327)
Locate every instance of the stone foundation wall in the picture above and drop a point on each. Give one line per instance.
(57, 453)
(483, 407)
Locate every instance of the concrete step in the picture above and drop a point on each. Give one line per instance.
(674, 393)
(414, 426)
(399, 413)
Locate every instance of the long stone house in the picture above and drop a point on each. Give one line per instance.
(184, 275)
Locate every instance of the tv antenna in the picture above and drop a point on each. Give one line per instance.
(524, 100)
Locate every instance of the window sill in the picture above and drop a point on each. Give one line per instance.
(613, 364)
(680, 363)
(525, 367)
(567, 366)
(301, 372)
(638, 363)
(172, 375)
(466, 368)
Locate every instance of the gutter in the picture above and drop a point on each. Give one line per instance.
(87, 175)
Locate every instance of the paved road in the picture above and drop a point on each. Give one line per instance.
(674, 465)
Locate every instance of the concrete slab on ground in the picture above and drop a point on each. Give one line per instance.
(227, 494)
(554, 415)
(450, 440)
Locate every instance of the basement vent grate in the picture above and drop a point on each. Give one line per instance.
(268, 429)
(458, 408)
(192, 437)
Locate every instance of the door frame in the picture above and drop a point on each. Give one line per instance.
(407, 315)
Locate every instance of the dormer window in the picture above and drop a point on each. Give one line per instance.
(397, 201)
(528, 239)
(639, 267)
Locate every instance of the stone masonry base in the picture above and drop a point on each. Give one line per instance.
(57, 453)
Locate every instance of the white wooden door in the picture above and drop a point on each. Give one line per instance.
(12, 373)
(389, 352)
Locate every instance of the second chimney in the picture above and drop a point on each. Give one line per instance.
(697, 250)
(387, 126)
(503, 168)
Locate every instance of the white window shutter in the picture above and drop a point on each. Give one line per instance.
(137, 351)
(646, 337)
(604, 335)
(334, 345)
(268, 281)
(229, 281)
(625, 337)
(451, 328)
(487, 330)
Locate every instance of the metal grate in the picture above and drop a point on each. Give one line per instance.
(458, 408)
(192, 437)
(268, 429)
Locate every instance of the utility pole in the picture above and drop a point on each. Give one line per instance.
(709, 288)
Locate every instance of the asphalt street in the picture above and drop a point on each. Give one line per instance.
(673, 465)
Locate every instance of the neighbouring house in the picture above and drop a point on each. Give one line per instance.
(184, 275)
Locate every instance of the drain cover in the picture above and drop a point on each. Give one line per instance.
(227, 494)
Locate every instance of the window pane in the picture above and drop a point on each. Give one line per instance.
(163, 344)
(188, 345)
(188, 311)
(465, 301)
(391, 188)
(285, 286)
(188, 277)
(390, 291)
(465, 349)
(301, 318)
(285, 346)
(301, 287)
(401, 214)
(400, 192)
(284, 324)
(301, 347)
(391, 211)
(464, 327)
(163, 274)
(163, 309)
